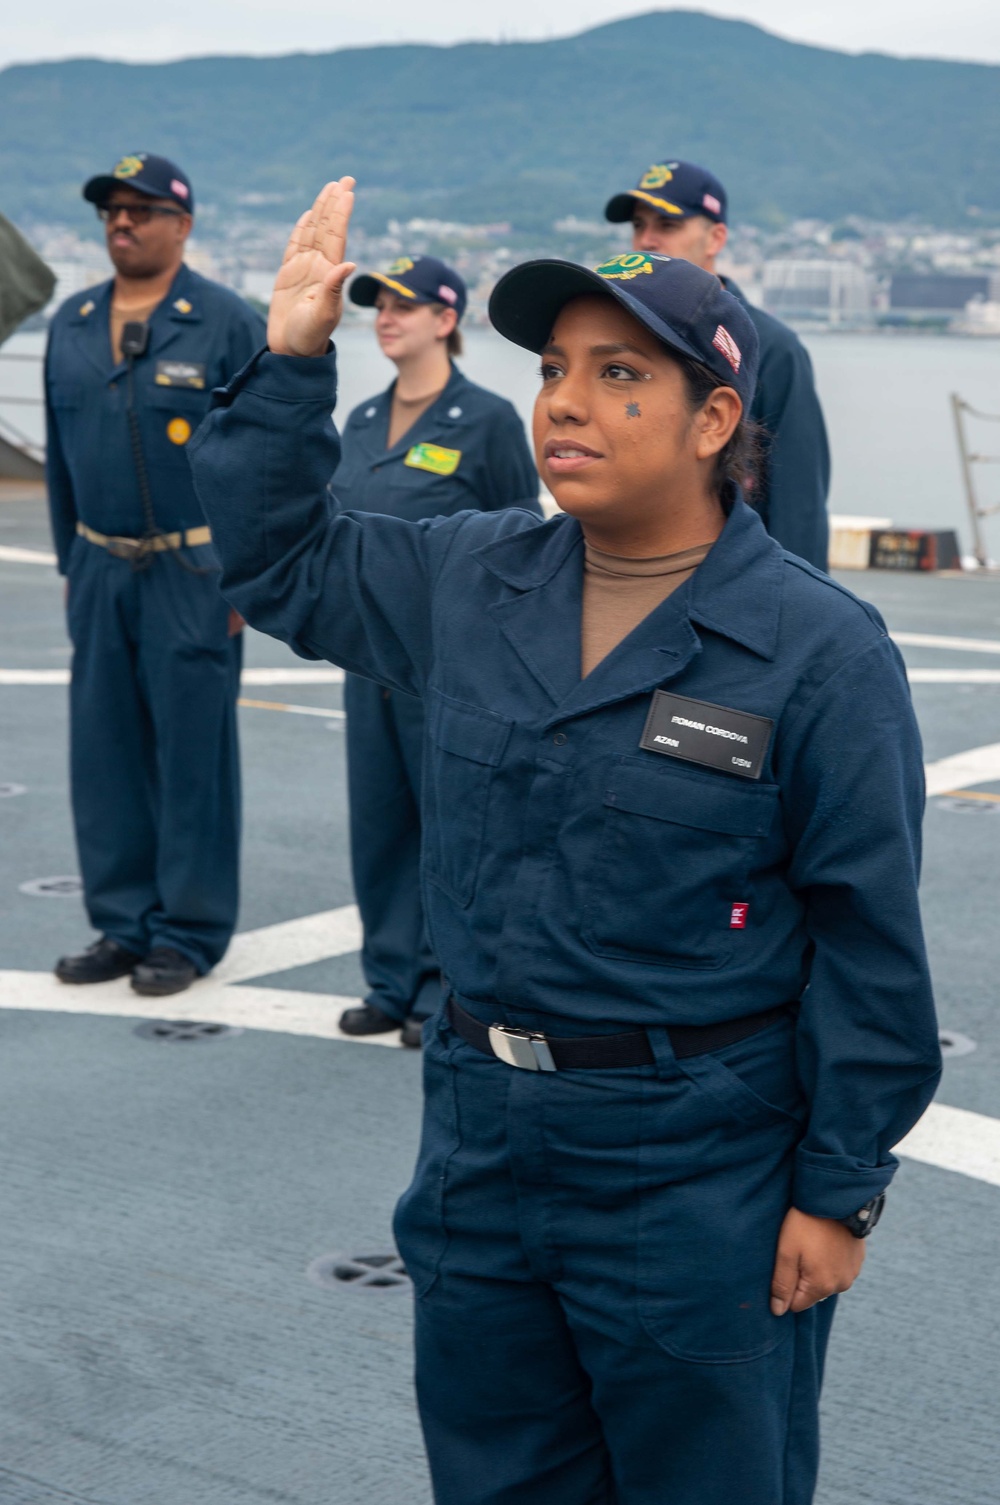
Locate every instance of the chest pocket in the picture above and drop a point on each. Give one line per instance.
(170, 416)
(676, 852)
(414, 493)
(187, 400)
(466, 746)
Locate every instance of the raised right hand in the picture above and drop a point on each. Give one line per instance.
(308, 296)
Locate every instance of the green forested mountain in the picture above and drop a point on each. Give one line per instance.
(523, 131)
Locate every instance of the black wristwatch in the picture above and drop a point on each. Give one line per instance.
(862, 1222)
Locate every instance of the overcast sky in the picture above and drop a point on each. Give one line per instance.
(967, 29)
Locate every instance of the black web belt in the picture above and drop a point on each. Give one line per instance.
(533, 1051)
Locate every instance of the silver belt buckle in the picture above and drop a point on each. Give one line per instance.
(524, 1048)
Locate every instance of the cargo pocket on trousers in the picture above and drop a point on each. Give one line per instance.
(419, 1220)
(709, 1218)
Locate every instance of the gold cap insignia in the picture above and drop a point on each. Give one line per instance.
(624, 268)
(128, 167)
(656, 176)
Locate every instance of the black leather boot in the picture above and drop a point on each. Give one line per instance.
(163, 971)
(413, 1032)
(367, 1019)
(101, 962)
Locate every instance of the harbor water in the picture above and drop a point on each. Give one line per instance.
(885, 399)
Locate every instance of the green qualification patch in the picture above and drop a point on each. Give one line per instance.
(440, 462)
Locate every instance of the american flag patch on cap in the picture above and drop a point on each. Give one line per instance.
(725, 343)
(710, 202)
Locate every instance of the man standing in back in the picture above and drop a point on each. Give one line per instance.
(156, 651)
(678, 209)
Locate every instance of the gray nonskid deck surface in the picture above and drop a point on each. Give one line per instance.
(160, 1340)
(160, 1343)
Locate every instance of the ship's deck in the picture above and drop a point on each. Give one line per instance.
(160, 1340)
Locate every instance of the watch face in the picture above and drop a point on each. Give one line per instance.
(864, 1220)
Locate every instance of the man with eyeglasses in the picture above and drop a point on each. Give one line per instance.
(129, 371)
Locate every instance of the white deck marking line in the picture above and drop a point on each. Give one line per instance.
(34, 676)
(957, 645)
(956, 1140)
(953, 676)
(293, 676)
(980, 765)
(255, 677)
(261, 678)
(10, 555)
(953, 1139)
(277, 1010)
(291, 943)
(294, 710)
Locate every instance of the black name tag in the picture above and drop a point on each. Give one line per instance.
(180, 374)
(699, 732)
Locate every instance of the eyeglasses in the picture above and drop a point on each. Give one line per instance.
(139, 214)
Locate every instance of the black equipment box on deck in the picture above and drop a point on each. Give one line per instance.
(914, 549)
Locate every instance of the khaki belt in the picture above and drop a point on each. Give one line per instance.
(134, 548)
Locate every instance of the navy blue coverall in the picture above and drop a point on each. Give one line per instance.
(153, 749)
(792, 490)
(592, 1249)
(385, 729)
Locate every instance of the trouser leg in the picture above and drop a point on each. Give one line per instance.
(504, 1402)
(190, 670)
(812, 1336)
(384, 732)
(695, 1433)
(631, 1218)
(704, 1396)
(112, 756)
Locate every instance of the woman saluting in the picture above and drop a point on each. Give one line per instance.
(671, 820)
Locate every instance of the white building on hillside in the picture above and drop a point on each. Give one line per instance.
(837, 292)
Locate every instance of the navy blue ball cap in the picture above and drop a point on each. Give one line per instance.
(677, 190)
(156, 176)
(686, 308)
(420, 279)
